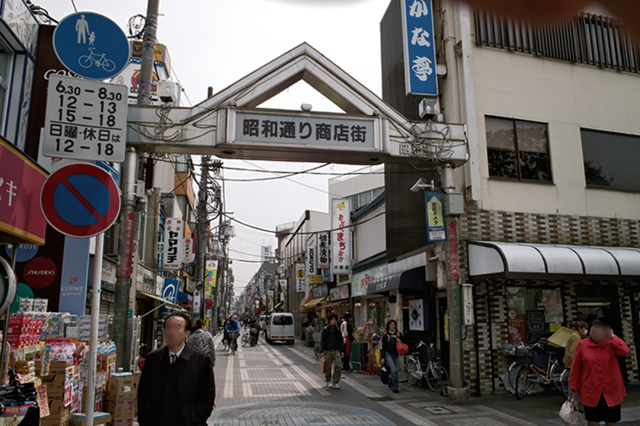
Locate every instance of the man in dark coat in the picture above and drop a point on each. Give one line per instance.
(332, 350)
(177, 387)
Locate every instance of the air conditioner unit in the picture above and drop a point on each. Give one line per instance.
(111, 240)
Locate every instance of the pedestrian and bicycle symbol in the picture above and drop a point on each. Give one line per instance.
(80, 200)
(91, 45)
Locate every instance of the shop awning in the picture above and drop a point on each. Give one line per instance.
(332, 305)
(311, 305)
(551, 261)
(160, 299)
(413, 279)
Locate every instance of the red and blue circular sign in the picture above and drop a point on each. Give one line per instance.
(80, 200)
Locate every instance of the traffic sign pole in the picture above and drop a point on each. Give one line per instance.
(93, 336)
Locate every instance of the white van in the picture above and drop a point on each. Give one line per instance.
(280, 328)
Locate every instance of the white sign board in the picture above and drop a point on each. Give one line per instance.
(85, 120)
(340, 236)
(310, 268)
(173, 244)
(416, 315)
(300, 282)
(323, 251)
(189, 252)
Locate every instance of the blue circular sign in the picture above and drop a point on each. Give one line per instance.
(91, 45)
(25, 251)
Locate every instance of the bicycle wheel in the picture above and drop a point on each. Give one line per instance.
(522, 381)
(86, 61)
(245, 340)
(413, 370)
(436, 374)
(564, 380)
(555, 375)
(108, 65)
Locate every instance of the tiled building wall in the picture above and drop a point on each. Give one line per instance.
(484, 360)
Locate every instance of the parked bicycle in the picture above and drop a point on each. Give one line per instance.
(317, 349)
(431, 372)
(245, 338)
(524, 374)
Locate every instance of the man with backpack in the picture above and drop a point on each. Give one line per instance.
(202, 340)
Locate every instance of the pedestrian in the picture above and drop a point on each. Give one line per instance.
(389, 354)
(347, 338)
(332, 350)
(262, 325)
(580, 330)
(177, 387)
(202, 340)
(596, 375)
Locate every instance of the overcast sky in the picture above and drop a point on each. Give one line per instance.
(217, 42)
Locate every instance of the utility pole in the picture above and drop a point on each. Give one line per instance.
(123, 312)
(458, 393)
(200, 227)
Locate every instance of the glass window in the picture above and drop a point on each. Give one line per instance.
(518, 149)
(5, 66)
(365, 198)
(378, 191)
(182, 164)
(533, 313)
(611, 160)
(282, 320)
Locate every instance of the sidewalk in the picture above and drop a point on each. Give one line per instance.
(538, 409)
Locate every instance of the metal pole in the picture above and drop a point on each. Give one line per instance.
(200, 226)
(148, 52)
(125, 258)
(93, 336)
(458, 393)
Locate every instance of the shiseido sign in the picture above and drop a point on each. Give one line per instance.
(40, 272)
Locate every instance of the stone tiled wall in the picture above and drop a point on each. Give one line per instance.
(484, 361)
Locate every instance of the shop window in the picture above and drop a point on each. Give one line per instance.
(518, 149)
(533, 313)
(6, 60)
(610, 160)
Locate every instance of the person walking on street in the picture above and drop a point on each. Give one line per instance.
(596, 375)
(177, 386)
(202, 340)
(347, 338)
(332, 350)
(389, 353)
(580, 330)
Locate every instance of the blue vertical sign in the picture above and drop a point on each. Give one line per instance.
(74, 277)
(419, 48)
(435, 217)
(170, 290)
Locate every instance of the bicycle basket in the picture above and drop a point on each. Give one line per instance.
(233, 334)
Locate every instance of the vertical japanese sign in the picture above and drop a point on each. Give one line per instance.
(435, 217)
(211, 271)
(323, 251)
(419, 48)
(75, 272)
(300, 277)
(129, 231)
(189, 252)
(311, 258)
(453, 263)
(283, 285)
(173, 244)
(341, 236)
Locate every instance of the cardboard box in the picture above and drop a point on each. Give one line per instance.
(77, 419)
(63, 415)
(121, 389)
(120, 409)
(59, 366)
(560, 337)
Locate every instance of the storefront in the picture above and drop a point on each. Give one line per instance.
(368, 307)
(534, 289)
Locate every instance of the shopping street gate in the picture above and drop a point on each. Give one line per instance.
(230, 125)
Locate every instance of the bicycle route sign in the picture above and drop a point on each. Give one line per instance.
(85, 120)
(91, 45)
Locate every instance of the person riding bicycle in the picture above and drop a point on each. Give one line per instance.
(254, 331)
(232, 325)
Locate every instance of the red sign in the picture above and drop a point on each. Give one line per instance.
(453, 262)
(20, 183)
(80, 200)
(40, 272)
(129, 229)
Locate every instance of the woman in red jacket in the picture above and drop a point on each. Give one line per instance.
(595, 372)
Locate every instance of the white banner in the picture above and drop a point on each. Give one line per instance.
(416, 315)
(310, 268)
(323, 251)
(189, 252)
(340, 236)
(173, 244)
(300, 282)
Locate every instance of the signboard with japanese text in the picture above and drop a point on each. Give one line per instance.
(129, 230)
(339, 293)
(435, 217)
(300, 277)
(419, 48)
(418, 318)
(340, 236)
(283, 285)
(20, 183)
(360, 280)
(85, 120)
(311, 258)
(323, 251)
(173, 244)
(189, 252)
(453, 262)
(211, 271)
(302, 129)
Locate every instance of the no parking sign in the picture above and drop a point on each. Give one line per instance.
(80, 200)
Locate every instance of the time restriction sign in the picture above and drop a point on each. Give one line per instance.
(85, 120)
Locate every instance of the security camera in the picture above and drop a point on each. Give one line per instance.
(421, 185)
